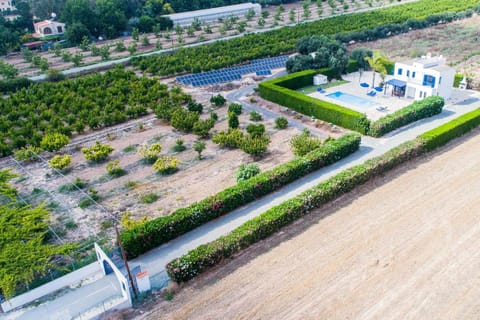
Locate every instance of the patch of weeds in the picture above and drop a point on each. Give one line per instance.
(52, 205)
(131, 184)
(168, 295)
(149, 198)
(155, 139)
(36, 191)
(106, 224)
(71, 225)
(130, 148)
(85, 202)
(69, 187)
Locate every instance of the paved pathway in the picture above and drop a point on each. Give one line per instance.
(155, 260)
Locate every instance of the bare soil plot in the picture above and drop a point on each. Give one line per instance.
(458, 42)
(405, 246)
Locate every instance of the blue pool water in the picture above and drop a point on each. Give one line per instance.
(351, 99)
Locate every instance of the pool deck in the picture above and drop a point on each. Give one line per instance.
(380, 99)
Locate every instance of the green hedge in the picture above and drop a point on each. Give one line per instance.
(155, 232)
(208, 255)
(455, 128)
(280, 91)
(418, 110)
(352, 66)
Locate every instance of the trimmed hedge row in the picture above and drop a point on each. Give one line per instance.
(439, 136)
(155, 232)
(208, 255)
(280, 91)
(418, 110)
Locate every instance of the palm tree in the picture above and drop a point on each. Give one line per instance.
(377, 63)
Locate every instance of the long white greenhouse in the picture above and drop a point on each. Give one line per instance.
(209, 15)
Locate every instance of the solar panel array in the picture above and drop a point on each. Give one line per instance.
(261, 67)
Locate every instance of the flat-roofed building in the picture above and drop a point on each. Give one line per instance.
(210, 15)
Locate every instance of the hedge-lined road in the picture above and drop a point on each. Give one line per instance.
(155, 260)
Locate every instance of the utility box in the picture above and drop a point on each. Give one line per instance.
(143, 281)
(319, 79)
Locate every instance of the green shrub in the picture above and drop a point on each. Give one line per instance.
(256, 130)
(27, 154)
(214, 116)
(458, 78)
(98, 152)
(199, 146)
(418, 110)
(60, 162)
(255, 145)
(247, 171)
(233, 120)
(255, 116)
(304, 143)
(160, 230)
(114, 170)
(281, 123)
(184, 120)
(193, 106)
(218, 100)
(202, 127)
(150, 153)
(228, 139)
(281, 91)
(455, 128)
(179, 146)
(235, 108)
(150, 198)
(54, 141)
(166, 165)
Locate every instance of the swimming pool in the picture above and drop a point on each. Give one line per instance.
(351, 99)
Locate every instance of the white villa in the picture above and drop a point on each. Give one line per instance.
(48, 28)
(7, 5)
(212, 15)
(421, 78)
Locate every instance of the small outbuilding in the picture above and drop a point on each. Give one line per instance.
(320, 79)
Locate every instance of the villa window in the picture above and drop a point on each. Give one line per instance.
(429, 81)
(413, 74)
(400, 71)
(408, 73)
(440, 80)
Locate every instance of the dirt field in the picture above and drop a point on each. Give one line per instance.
(457, 42)
(403, 247)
